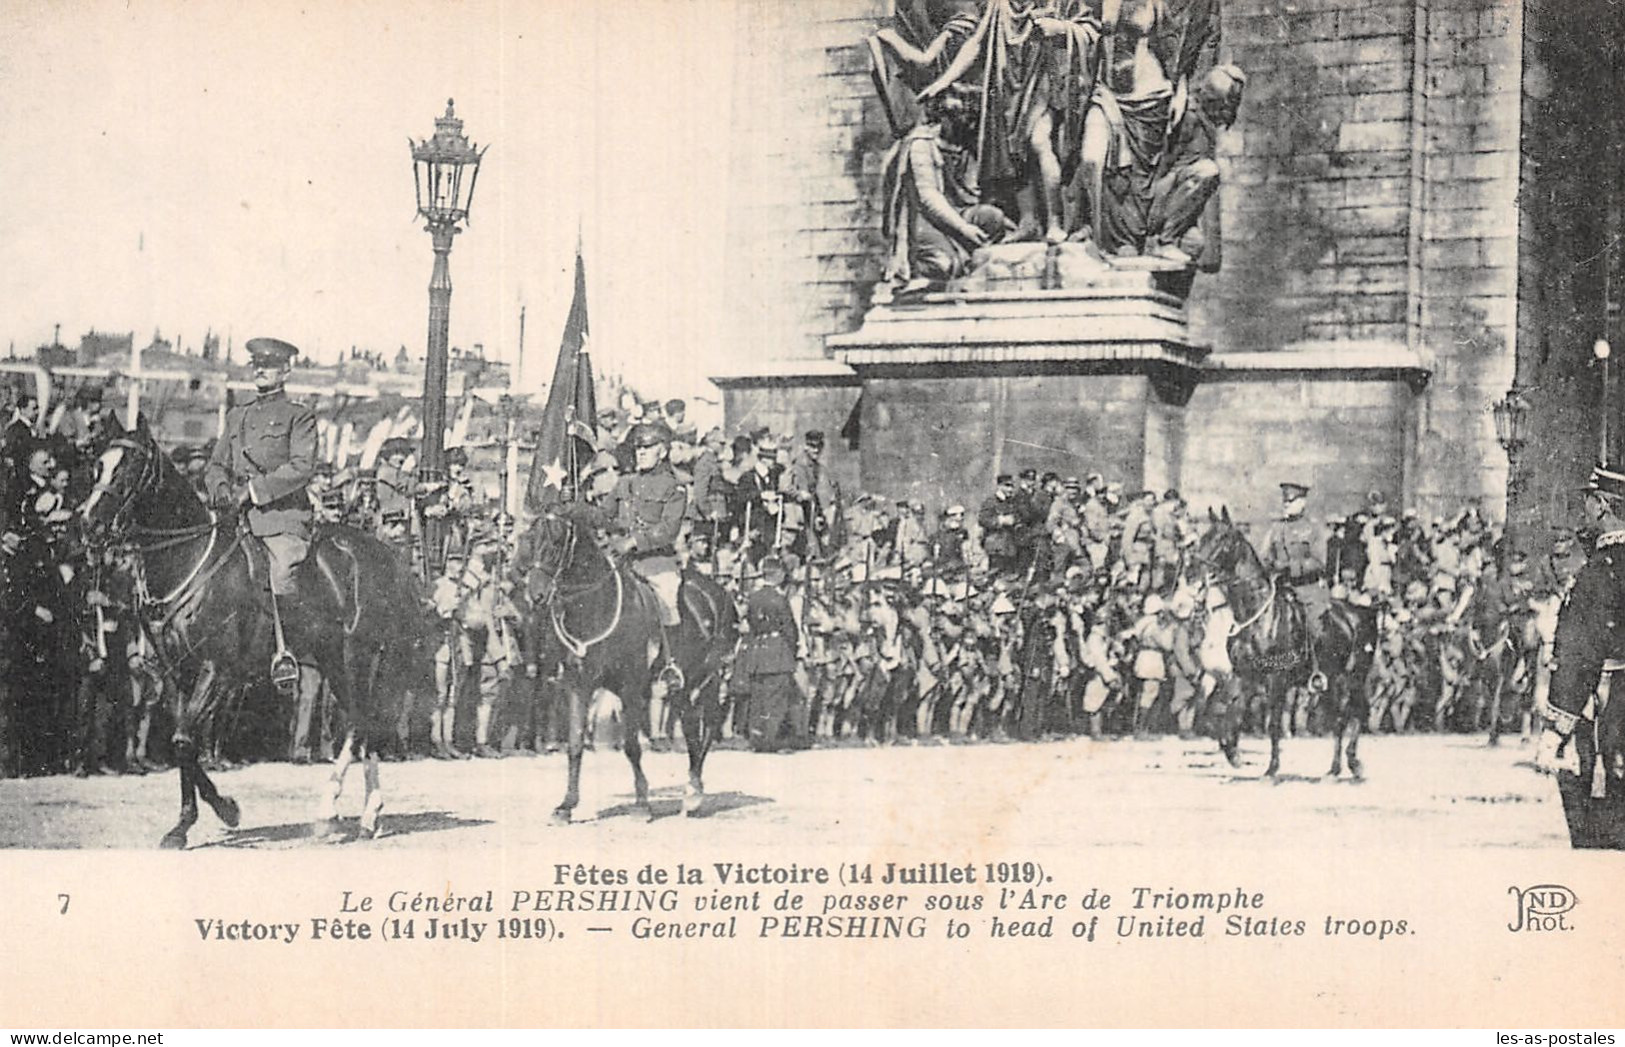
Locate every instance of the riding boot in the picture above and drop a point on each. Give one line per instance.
(671, 676)
(284, 666)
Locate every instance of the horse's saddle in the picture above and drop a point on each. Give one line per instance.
(325, 582)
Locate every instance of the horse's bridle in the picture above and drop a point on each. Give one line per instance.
(160, 538)
(103, 488)
(566, 554)
(567, 550)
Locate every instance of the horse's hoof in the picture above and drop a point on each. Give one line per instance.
(174, 840)
(692, 802)
(1356, 771)
(1272, 772)
(647, 812)
(324, 828)
(228, 811)
(1335, 773)
(561, 816)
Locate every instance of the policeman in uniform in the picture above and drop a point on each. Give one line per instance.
(1289, 551)
(263, 462)
(647, 505)
(1590, 764)
(768, 661)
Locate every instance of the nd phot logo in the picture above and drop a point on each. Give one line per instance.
(1542, 908)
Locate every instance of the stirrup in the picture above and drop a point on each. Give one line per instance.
(671, 677)
(285, 671)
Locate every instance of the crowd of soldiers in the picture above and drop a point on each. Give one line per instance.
(1060, 605)
(1071, 605)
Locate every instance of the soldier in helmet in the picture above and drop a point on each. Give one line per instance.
(263, 462)
(647, 506)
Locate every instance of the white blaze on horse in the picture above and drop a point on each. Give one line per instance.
(201, 588)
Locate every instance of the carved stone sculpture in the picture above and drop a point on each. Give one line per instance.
(1094, 122)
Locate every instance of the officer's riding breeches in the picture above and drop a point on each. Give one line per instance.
(284, 552)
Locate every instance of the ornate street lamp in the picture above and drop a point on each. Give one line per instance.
(444, 169)
(1512, 422)
(1512, 432)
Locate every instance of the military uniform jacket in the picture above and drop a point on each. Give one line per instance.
(649, 507)
(1290, 550)
(770, 646)
(708, 481)
(269, 445)
(999, 539)
(1591, 626)
(395, 491)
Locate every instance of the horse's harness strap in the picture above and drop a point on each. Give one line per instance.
(196, 580)
(1256, 615)
(579, 647)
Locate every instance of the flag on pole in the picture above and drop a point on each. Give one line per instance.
(565, 446)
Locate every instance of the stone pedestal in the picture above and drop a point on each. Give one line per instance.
(1045, 357)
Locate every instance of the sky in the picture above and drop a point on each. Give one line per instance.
(245, 168)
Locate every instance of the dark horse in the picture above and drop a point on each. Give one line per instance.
(1345, 647)
(202, 589)
(606, 620)
(1271, 647)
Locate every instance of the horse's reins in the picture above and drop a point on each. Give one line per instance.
(1269, 602)
(575, 645)
(1236, 630)
(181, 536)
(579, 647)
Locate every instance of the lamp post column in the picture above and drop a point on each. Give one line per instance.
(432, 468)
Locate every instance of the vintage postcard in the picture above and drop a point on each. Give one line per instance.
(837, 513)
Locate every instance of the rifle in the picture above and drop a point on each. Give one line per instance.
(1021, 600)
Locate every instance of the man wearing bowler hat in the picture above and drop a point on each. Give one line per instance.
(262, 463)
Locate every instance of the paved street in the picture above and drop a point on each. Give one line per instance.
(1419, 791)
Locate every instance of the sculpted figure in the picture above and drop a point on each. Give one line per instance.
(933, 221)
(1150, 50)
(1189, 174)
(1089, 120)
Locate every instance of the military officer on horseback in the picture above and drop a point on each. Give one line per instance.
(647, 507)
(1289, 551)
(262, 465)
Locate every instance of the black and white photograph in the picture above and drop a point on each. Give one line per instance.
(980, 488)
